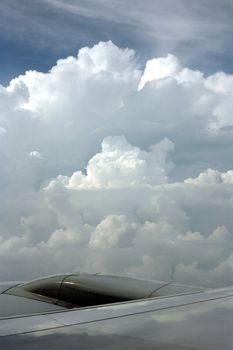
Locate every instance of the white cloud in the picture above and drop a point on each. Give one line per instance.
(35, 154)
(121, 165)
(170, 67)
(122, 233)
(126, 184)
(159, 68)
(210, 177)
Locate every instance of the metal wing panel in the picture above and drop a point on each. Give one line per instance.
(11, 305)
(201, 325)
(133, 308)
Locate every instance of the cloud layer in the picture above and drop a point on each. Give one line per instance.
(107, 167)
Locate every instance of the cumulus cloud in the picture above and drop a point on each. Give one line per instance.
(136, 176)
(159, 68)
(121, 165)
(165, 67)
(211, 177)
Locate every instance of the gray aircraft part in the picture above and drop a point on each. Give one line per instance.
(181, 317)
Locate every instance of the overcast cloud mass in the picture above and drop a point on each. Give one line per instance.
(108, 166)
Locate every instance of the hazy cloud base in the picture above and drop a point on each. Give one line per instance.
(105, 167)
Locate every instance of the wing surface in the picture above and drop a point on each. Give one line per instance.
(198, 320)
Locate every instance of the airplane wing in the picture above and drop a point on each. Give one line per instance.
(111, 312)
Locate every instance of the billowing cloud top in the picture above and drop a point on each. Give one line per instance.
(121, 165)
(109, 167)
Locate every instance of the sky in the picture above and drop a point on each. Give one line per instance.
(35, 33)
(116, 136)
